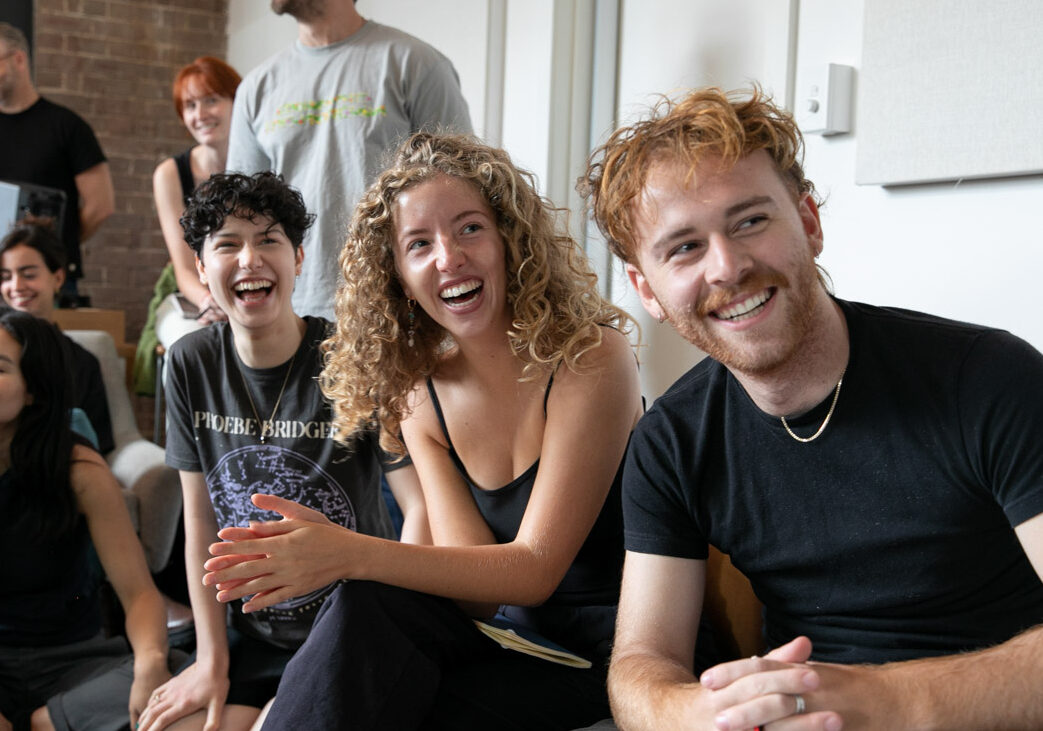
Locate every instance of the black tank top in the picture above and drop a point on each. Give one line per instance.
(183, 161)
(580, 614)
(48, 589)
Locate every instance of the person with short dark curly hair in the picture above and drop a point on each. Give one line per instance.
(262, 195)
(245, 415)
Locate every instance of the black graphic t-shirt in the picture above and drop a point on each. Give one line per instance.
(212, 429)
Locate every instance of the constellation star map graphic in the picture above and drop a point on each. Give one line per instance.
(274, 470)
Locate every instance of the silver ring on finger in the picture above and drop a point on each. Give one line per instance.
(802, 707)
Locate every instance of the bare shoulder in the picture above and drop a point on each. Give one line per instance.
(83, 455)
(613, 356)
(421, 418)
(165, 173)
(604, 385)
(166, 186)
(89, 473)
(417, 399)
(614, 345)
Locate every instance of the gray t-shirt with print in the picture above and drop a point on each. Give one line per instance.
(325, 119)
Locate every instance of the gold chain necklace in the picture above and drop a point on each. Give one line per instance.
(829, 415)
(269, 425)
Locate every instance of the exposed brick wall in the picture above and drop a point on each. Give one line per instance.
(113, 62)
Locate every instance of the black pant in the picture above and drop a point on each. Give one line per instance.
(379, 657)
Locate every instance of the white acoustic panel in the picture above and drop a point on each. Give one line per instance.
(949, 89)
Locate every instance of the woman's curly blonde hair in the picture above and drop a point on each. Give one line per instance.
(556, 309)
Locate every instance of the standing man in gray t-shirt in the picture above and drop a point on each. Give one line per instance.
(323, 112)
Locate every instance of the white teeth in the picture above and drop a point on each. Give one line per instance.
(744, 309)
(252, 284)
(459, 289)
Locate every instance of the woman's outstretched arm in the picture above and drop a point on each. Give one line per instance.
(589, 418)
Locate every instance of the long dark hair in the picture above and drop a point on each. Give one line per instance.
(41, 448)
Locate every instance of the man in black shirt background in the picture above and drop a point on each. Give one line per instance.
(46, 144)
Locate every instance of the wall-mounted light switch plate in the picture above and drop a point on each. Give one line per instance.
(824, 99)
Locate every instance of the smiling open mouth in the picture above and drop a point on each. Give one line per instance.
(749, 307)
(254, 289)
(461, 294)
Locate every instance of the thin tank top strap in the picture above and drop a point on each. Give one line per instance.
(438, 411)
(441, 416)
(183, 162)
(546, 393)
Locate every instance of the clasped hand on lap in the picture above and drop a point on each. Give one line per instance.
(273, 561)
(763, 692)
(195, 689)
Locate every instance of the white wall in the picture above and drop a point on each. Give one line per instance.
(255, 33)
(667, 46)
(526, 83)
(970, 251)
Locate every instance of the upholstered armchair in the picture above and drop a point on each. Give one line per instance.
(151, 488)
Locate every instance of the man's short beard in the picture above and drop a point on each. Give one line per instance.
(689, 323)
(299, 9)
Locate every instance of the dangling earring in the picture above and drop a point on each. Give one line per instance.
(411, 318)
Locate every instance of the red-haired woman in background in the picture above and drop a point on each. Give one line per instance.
(203, 92)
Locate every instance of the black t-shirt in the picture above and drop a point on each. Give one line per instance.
(890, 536)
(212, 429)
(48, 144)
(90, 394)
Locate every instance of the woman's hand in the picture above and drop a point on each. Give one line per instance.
(278, 560)
(195, 689)
(148, 676)
(210, 311)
